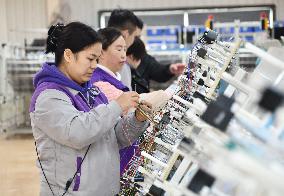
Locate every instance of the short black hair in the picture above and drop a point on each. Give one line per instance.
(139, 23)
(75, 36)
(108, 35)
(123, 19)
(137, 49)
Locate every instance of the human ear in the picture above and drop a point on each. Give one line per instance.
(102, 56)
(68, 55)
(125, 34)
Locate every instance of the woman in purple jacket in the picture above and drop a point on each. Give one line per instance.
(108, 79)
(78, 133)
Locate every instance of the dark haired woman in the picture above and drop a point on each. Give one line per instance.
(78, 133)
(113, 57)
(107, 78)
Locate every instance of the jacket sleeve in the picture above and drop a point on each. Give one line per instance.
(156, 71)
(128, 129)
(110, 91)
(56, 116)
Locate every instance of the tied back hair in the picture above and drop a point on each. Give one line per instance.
(75, 36)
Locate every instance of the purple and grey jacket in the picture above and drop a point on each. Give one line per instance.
(66, 118)
(126, 153)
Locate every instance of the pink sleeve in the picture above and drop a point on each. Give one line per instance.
(109, 90)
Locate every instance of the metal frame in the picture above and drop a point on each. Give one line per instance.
(185, 11)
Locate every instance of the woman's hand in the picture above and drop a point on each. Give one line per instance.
(146, 109)
(128, 100)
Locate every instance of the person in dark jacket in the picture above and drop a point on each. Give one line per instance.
(134, 55)
(151, 69)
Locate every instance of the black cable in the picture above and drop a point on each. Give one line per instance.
(69, 182)
(43, 170)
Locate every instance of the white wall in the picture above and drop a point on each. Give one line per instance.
(3, 22)
(22, 16)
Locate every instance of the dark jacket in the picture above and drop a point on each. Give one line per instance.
(149, 69)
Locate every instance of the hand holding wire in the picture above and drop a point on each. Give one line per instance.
(143, 111)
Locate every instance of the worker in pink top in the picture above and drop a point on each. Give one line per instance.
(107, 78)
